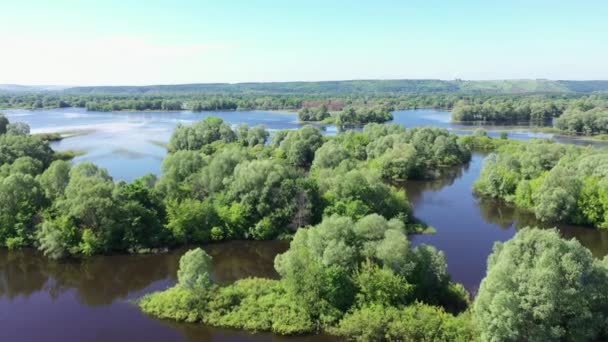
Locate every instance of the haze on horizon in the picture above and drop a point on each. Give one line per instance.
(116, 42)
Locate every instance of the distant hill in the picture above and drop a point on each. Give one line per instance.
(324, 87)
(16, 88)
(428, 86)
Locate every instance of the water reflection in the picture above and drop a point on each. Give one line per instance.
(467, 226)
(39, 296)
(101, 280)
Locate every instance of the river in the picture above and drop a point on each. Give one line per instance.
(89, 300)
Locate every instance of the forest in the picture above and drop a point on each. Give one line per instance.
(218, 183)
(351, 269)
(556, 182)
(586, 114)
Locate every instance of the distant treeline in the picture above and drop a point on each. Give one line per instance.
(508, 110)
(385, 87)
(201, 102)
(587, 115)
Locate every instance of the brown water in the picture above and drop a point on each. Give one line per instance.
(43, 300)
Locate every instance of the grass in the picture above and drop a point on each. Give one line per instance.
(159, 143)
(69, 154)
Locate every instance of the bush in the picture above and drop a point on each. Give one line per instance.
(417, 322)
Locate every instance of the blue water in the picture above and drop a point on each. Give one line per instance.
(126, 143)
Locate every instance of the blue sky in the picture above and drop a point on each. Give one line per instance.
(157, 41)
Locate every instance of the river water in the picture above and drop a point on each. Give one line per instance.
(89, 300)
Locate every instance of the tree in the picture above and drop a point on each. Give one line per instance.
(400, 163)
(15, 146)
(330, 155)
(21, 198)
(178, 169)
(191, 220)
(142, 214)
(201, 133)
(55, 179)
(26, 165)
(195, 270)
(18, 128)
(557, 197)
(58, 237)
(3, 124)
(90, 202)
(269, 190)
(540, 287)
(299, 146)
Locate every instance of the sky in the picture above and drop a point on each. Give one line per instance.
(126, 42)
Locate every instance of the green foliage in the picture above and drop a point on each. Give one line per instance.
(507, 110)
(557, 197)
(178, 170)
(3, 124)
(540, 287)
(330, 155)
(317, 114)
(577, 120)
(338, 267)
(55, 179)
(298, 147)
(142, 214)
(14, 146)
(381, 286)
(358, 193)
(417, 322)
(252, 136)
(191, 220)
(351, 116)
(195, 270)
(21, 198)
(258, 305)
(201, 133)
(176, 303)
(57, 237)
(554, 181)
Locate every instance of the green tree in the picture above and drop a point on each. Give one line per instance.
(195, 270)
(55, 179)
(299, 146)
(3, 124)
(21, 199)
(540, 287)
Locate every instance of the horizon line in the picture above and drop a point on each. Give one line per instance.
(316, 81)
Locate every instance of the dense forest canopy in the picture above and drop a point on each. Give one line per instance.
(196, 102)
(557, 182)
